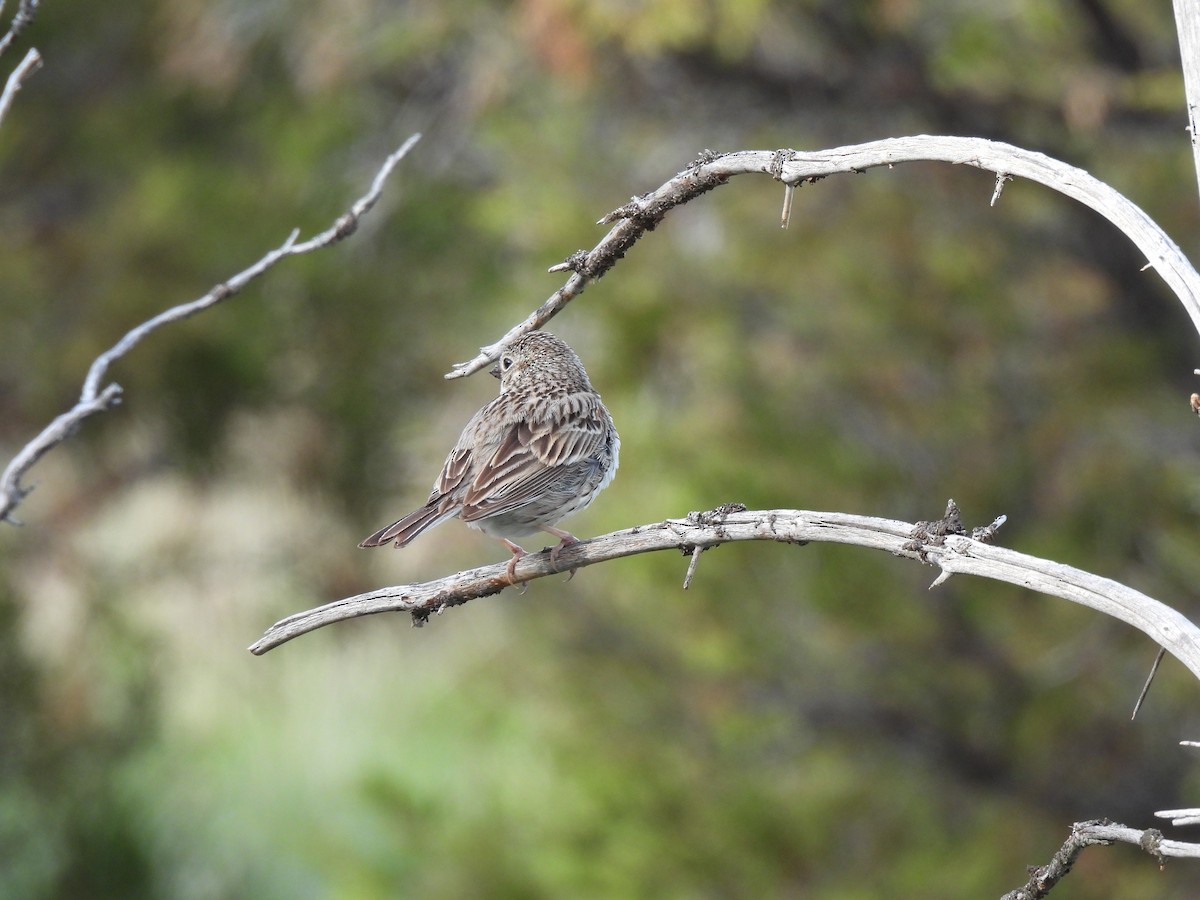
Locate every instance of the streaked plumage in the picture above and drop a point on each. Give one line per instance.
(540, 451)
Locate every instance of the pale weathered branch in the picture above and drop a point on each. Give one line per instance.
(1180, 817)
(793, 167)
(27, 66)
(24, 69)
(95, 398)
(1086, 834)
(1187, 23)
(952, 553)
(20, 21)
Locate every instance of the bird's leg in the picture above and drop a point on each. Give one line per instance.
(517, 552)
(565, 539)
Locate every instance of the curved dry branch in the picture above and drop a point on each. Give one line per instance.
(793, 167)
(1187, 24)
(95, 399)
(951, 552)
(1042, 879)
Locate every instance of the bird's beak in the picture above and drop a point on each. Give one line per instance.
(495, 372)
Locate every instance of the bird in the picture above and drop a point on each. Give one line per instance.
(541, 450)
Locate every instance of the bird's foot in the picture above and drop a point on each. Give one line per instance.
(565, 539)
(517, 553)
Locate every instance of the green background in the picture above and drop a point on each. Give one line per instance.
(802, 722)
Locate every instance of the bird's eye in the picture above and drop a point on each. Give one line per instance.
(506, 363)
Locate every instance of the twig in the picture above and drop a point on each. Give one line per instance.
(94, 398)
(1180, 817)
(643, 213)
(20, 21)
(1085, 834)
(785, 217)
(26, 67)
(956, 553)
(1158, 658)
(691, 569)
(1001, 179)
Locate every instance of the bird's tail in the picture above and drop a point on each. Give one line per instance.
(410, 526)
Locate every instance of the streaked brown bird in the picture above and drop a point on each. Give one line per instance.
(540, 451)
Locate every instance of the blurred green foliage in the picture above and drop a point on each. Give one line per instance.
(802, 722)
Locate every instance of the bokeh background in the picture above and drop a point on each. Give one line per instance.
(803, 722)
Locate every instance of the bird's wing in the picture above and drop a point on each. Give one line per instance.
(534, 454)
(457, 464)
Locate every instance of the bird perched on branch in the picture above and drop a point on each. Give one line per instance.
(540, 451)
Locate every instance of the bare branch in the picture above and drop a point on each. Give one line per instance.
(1187, 23)
(20, 21)
(1180, 817)
(785, 217)
(955, 553)
(95, 399)
(26, 67)
(796, 168)
(1158, 657)
(1085, 834)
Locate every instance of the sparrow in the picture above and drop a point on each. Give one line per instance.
(543, 449)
